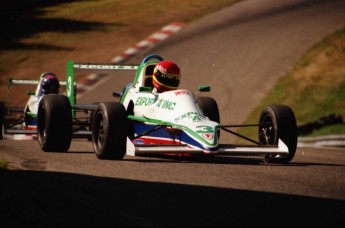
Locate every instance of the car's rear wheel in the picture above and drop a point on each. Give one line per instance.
(109, 131)
(54, 123)
(278, 122)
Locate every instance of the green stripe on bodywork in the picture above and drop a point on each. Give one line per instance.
(70, 88)
(31, 114)
(124, 95)
(137, 75)
(170, 124)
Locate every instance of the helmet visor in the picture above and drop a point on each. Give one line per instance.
(169, 80)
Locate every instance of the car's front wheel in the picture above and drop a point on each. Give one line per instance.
(278, 122)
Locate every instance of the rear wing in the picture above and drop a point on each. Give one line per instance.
(72, 67)
(97, 68)
(12, 81)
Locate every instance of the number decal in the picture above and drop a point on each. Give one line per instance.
(204, 129)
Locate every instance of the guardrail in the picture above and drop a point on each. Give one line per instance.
(322, 141)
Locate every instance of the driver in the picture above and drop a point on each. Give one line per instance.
(49, 84)
(166, 76)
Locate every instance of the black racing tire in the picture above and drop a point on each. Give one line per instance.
(91, 116)
(54, 123)
(2, 119)
(209, 107)
(109, 131)
(278, 122)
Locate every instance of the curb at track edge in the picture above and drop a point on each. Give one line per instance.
(90, 81)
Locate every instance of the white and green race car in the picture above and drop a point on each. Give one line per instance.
(173, 122)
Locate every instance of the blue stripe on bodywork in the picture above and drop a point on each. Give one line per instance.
(164, 134)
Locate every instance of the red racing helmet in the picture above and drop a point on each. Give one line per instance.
(166, 76)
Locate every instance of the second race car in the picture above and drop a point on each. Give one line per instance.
(21, 122)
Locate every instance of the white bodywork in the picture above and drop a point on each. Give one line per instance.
(179, 109)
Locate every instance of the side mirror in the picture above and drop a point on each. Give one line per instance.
(145, 89)
(204, 88)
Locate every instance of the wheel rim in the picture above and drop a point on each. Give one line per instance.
(267, 135)
(267, 132)
(100, 130)
(41, 122)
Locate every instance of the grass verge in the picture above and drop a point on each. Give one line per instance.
(315, 87)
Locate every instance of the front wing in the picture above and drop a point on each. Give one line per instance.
(224, 149)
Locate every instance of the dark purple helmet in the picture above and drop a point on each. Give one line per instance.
(50, 84)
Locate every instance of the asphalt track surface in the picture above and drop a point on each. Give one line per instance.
(240, 51)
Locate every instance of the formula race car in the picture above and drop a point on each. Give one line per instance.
(143, 122)
(21, 122)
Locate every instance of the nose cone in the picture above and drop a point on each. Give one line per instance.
(209, 135)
